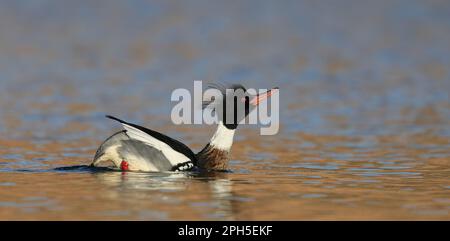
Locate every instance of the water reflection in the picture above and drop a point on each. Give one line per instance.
(142, 186)
(164, 182)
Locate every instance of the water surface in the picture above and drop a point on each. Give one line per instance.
(365, 111)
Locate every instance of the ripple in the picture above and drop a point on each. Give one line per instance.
(377, 174)
(314, 195)
(316, 166)
(12, 157)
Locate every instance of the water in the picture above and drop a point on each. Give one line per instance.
(365, 111)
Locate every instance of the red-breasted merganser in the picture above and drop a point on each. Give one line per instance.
(137, 148)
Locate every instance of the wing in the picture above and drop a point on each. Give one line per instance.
(175, 151)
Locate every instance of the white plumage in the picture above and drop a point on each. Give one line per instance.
(173, 156)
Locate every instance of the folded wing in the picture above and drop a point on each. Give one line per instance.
(176, 152)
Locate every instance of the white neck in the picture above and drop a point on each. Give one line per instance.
(223, 138)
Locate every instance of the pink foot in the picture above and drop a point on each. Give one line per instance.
(124, 165)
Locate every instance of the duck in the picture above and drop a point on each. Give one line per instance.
(137, 148)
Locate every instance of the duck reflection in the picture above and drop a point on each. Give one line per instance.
(208, 190)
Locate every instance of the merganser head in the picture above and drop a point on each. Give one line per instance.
(235, 105)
